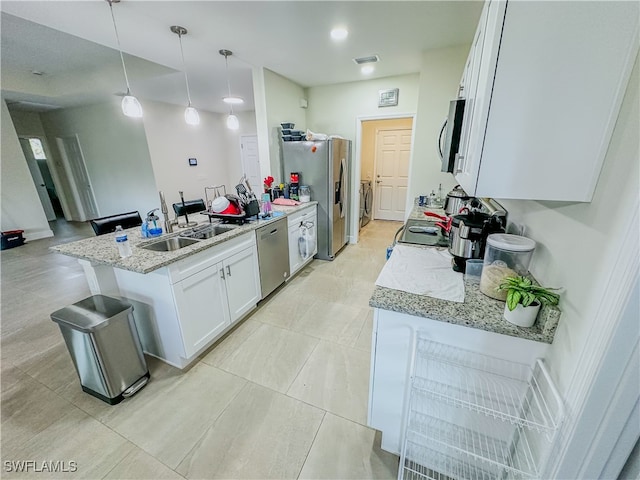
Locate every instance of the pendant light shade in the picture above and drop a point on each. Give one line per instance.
(130, 105)
(232, 120)
(191, 115)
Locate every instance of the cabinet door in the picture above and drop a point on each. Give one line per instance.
(242, 282)
(295, 260)
(482, 63)
(202, 308)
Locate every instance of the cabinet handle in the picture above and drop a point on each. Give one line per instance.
(459, 159)
(222, 273)
(228, 271)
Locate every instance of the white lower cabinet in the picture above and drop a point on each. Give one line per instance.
(208, 301)
(183, 308)
(201, 306)
(303, 242)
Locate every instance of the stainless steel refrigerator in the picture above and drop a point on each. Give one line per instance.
(324, 166)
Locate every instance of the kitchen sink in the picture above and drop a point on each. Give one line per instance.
(207, 231)
(169, 244)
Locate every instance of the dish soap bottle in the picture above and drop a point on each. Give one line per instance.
(122, 241)
(151, 225)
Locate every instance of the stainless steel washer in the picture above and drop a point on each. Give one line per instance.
(366, 202)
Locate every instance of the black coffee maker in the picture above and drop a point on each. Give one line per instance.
(468, 236)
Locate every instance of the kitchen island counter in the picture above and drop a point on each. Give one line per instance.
(102, 250)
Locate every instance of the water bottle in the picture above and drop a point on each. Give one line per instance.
(124, 248)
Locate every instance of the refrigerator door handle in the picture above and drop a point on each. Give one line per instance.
(343, 169)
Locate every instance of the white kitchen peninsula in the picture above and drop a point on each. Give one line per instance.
(184, 300)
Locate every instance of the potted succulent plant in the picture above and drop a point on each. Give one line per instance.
(523, 300)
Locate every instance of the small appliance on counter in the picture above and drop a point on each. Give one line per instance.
(456, 200)
(468, 236)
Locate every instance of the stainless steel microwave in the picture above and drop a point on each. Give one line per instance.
(451, 130)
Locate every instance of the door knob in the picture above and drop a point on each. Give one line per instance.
(378, 181)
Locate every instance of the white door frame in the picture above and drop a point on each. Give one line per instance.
(73, 181)
(356, 165)
(591, 448)
(38, 179)
(55, 175)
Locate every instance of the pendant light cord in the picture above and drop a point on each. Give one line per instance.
(226, 62)
(184, 68)
(124, 69)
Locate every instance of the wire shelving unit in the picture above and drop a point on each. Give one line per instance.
(474, 416)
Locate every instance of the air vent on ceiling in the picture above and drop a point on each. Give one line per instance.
(369, 59)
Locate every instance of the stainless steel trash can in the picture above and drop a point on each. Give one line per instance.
(103, 341)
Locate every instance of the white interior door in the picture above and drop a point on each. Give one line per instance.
(251, 161)
(393, 151)
(79, 178)
(38, 181)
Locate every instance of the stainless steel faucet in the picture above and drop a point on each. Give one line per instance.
(165, 212)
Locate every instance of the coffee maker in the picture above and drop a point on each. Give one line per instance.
(469, 232)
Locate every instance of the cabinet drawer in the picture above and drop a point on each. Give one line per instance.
(295, 218)
(201, 260)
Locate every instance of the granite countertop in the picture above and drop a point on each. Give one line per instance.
(103, 250)
(477, 311)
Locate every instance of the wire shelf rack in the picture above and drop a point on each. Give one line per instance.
(474, 416)
(441, 466)
(520, 394)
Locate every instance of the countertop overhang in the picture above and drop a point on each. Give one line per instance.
(102, 249)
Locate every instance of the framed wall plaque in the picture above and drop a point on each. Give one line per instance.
(388, 98)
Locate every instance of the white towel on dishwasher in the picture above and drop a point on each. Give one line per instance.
(422, 271)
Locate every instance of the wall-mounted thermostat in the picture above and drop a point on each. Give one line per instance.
(193, 162)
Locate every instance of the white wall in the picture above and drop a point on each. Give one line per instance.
(578, 244)
(115, 152)
(334, 109)
(282, 98)
(234, 153)
(21, 207)
(439, 79)
(172, 142)
(30, 124)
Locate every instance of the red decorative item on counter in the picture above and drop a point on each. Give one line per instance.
(268, 182)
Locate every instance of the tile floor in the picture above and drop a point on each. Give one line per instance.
(282, 396)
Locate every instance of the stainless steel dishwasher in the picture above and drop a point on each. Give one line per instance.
(273, 255)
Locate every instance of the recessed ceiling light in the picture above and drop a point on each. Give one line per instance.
(339, 33)
(232, 100)
(367, 69)
(37, 72)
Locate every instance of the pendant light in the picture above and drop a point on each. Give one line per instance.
(191, 115)
(232, 120)
(130, 105)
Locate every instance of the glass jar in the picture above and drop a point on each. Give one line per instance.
(505, 255)
(304, 194)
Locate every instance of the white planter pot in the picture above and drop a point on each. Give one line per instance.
(522, 316)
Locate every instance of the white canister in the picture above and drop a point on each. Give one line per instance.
(304, 194)
(505, 255)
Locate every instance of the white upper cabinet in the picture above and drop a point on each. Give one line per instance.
(543, 87)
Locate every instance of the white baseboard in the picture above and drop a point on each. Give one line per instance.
(38, 234)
